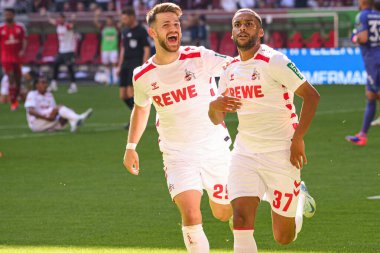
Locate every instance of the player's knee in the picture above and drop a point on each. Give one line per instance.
(191, 216)
(283, 238)
(241, 220)
(223, 213)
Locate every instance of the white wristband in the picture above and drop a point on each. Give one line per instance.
(131, 146)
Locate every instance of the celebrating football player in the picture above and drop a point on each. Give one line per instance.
(269, 150)
(178, 81)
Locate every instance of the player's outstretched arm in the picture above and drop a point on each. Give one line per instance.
(310, 98)
(220, 106)
(139, 120)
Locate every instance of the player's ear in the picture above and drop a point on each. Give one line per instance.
(261, 33)
(152, 32)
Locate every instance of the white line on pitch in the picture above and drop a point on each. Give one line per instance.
(374, 197)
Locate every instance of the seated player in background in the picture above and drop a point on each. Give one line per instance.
(366, 34)
(43, 114)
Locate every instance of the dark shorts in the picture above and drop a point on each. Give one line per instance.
(373, 77)
(126, 75)
(65, 58)
(10, 68)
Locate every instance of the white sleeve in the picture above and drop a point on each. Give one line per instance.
(214, 62)
(285, 72)
(223, 83)
(140, 96)
(54, 104)
(30, 101)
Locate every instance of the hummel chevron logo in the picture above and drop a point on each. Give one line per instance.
(296, 192)
(154, 86)
(297, 184)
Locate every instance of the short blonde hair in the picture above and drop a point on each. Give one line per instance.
(162, 8)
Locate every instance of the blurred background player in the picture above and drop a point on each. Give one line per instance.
(109, 46)
(13, 44)
(376, 122)
(367, 35)
(43, 114)
(28, 76)
(66, 51)
(134, 51)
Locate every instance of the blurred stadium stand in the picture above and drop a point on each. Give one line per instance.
(324, 24)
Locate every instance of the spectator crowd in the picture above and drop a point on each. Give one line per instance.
(27, 6)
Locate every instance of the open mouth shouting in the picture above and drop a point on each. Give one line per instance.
(172, 39)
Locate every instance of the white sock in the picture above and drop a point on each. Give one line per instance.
(68, 114)
(107, 72)
(73, 85)
(299, 214)
(195, 239)
(53, 82)
(244, 242)
(115, 76)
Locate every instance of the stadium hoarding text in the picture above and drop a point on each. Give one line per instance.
(329, 65)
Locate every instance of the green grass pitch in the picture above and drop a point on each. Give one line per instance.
(63, 192)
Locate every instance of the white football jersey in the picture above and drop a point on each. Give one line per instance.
(66, 38)
(181, 92)
(42, 103)
(266, 84)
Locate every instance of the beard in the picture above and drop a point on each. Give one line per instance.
(244, 46)
(164, 45)
(8, 20)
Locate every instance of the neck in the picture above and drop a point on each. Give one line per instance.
(248, 54)
(133, 25)
(164, 57)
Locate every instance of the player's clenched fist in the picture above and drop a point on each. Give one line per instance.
(131, 161)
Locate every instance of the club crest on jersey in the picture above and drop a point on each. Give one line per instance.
(255, 75)
(232, 77)
(154, 86)
(189, 75)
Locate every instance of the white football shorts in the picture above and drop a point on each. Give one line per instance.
(41, 125)
(270, 173)
(199, 172)
(109, 57)
(4, 91)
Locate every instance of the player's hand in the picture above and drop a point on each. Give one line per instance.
(297, 153)
(131, 161)
(225, 103)
(52, 115)
(21, 53)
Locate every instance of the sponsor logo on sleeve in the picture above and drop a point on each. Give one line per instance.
(293, 68)
(220, 55)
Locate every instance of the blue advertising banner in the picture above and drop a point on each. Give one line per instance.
(329, 65)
